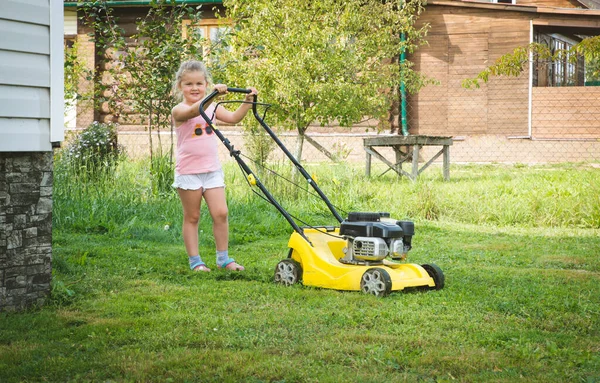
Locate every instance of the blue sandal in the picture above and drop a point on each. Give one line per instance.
(198, 265)
(231, 264)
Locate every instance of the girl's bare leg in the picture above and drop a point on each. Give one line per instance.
(217, 206)
(190, 200)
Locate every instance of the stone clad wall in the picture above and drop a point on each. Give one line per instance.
(25, 229)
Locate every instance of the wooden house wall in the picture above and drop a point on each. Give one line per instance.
(462, 43)
(566, 112)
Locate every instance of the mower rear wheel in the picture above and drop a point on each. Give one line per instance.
(376, 281)
(288, 272)
(437, 274)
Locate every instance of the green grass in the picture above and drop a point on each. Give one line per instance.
(521, 302)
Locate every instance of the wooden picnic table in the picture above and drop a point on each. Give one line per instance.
(408, 148)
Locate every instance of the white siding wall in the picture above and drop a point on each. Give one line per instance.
(31, 74)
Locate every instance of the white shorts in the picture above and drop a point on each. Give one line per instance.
(204, 181)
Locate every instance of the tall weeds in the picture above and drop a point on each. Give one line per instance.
(131, 197)
(110, 200)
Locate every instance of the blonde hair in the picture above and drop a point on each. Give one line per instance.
(190, 66)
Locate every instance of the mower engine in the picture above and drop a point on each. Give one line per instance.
(371, 237)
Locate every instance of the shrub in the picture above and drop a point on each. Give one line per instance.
(94, 149)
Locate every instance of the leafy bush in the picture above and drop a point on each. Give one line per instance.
(257, 142)
(94, 149)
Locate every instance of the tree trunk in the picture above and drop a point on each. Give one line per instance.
(160, 148)
(299, 145)
(171, 151)
(150, 133)
(298, 154)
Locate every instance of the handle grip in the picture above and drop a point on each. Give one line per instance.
(239, 90)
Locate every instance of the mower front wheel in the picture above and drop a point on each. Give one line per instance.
(288, 272)
(376, 281)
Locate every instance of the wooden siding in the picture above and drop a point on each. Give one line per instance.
(433, 61)
(461, 44)
(462, 41)
(467, 108)
(30, 91)
(566, 112)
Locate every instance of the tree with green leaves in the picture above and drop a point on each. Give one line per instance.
(154, 55)
(158, 48)
(513, 64)
(137, 71)
(323, 61)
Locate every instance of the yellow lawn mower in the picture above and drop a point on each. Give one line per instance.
(352, 256)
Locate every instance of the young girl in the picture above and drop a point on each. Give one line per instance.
(198, 171)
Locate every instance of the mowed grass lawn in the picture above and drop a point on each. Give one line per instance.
(521, 301)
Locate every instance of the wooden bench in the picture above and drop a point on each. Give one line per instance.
(407, 148)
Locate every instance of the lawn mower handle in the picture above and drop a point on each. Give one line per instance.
(238, 90)
(236, 155)
(216, 92)
(296, 163)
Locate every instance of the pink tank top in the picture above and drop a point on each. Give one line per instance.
(196, 148)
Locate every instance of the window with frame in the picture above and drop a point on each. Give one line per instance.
(565, 70)
(211, 31)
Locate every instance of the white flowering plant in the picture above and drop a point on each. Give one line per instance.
(94, 148)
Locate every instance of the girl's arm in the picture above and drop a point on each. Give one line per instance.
(183, 112)
(234, 117)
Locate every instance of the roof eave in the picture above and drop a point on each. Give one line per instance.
(142, 3)
(516, 8)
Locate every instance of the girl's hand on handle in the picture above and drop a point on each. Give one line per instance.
(250, 96)
(221, 88)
